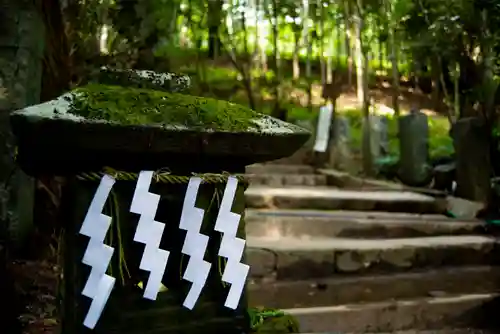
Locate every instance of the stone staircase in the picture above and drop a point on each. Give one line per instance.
(284, 176)
(348, 261)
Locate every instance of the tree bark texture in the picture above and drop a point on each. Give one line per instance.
(214, 22)
(21, 52)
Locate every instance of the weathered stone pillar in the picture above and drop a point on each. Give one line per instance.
(375, 135)
(120, 131)
(473, 167)
(340, 156)
(414, 168)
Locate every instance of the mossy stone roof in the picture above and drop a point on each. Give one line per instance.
(131, 128)
(131, 106)
(137, 106)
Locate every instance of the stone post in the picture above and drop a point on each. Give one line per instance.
(378, 135)
(473, 165)
(121, 131)
(414, 168)
(323, 138)
(340, 156)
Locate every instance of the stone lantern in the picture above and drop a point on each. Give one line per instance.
(129, 122)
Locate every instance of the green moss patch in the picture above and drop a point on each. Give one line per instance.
(266, 320)
(139, 106)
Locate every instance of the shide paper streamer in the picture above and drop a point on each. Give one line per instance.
(149, 232)
(231, 247)
(323, 133)
(97, 255)
(195, 243)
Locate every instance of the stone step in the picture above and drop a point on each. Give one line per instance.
(286, 180)
(279, 169)
(259, 197)
(307, 258)
(352, 224)
(434, 331)
(457, 312)
(338, 290)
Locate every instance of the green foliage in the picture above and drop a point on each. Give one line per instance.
(266, 320)
(136, 106)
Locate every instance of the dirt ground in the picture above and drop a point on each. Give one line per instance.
(36, 284)
(381, 99)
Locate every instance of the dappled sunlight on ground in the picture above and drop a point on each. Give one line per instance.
(381, 99)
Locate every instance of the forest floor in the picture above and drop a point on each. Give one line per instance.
(380, 94)
(36, 285)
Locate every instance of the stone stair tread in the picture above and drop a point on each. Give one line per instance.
(369, 215)
(439, 331)
(356, 227)
(327, 198)
(338, 289)
(286, 180)
(290, 258)
(372, 225)
(322, 244)
(358, 306)
(457, 312)
(281, 168)
(393, 196)
(434, 331)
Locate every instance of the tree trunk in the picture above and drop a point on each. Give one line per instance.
(394, 64)
(321, 42)
(358, 55)
(329, 59)
(308, 42)
(380, 47)
(247, 64)
(57, 63)
(295, 58)
(214, 21)
(263, 50)
(338, 42)
(362, 83)
(257, 49)
(489, 84)
(347, 23)
(21, 52)
(436, 86)
(277, 63)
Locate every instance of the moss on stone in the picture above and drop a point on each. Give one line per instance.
(266, 320)
(168, 82)
(139, 106)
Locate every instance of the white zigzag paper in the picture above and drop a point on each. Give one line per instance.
(97, 255)
(149, 232)
(231, 247)
(195, 243)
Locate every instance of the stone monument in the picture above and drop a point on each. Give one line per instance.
(414, 167)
